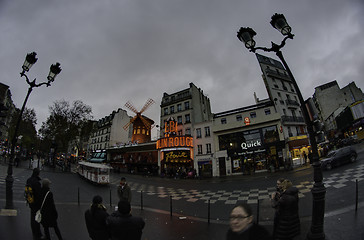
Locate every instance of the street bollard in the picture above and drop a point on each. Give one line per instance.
(356, 197)
(208, 211)
(78, 196)
(110, 199)
(258, 212)
(170, 204)
(141, 200)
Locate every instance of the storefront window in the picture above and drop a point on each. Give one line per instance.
(270, 134)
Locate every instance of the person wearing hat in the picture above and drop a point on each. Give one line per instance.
(124, 191)
(95, 218)
(122, 225)
(48, 210)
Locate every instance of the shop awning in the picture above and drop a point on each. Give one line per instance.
(298, 143)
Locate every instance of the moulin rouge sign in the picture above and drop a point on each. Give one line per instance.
(171, 139)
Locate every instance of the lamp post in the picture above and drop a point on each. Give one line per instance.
(246, 35)
(55, 69)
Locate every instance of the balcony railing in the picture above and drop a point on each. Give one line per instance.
(292, 119)
(290, 102)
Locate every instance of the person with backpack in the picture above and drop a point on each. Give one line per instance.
(34, 200)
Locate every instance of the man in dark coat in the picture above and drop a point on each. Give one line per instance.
(288, 222)
(124, 191)
(96, 220)
(34, 183)
(124, 226)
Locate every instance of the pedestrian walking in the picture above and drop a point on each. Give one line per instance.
(274, 201)
(243, 227)
(34, 199)
(288, 222)
(124, 191)
(49, 212)
(124, 226)
(95, 218)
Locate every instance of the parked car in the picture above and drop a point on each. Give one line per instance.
(337, 157)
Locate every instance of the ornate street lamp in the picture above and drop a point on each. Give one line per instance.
(318, 191)
(55, 69)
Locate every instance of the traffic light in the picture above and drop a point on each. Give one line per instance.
(318, 128)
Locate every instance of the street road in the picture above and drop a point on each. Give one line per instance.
(192, 198)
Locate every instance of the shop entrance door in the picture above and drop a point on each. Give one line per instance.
(222, 166)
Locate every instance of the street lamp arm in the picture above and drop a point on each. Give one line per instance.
(275, 47)
(33, 83)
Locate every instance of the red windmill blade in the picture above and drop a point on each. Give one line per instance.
(130, 122)
(138, 113)
(147, 104)
(131, 107)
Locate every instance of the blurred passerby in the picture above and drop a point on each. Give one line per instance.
(288, 222)
(34, 201)
(274, 201)
(124, 226)
(124, 191)
(242, 226)
(95, 218)
(49, 212)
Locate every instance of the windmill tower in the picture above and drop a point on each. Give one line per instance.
(141, 124)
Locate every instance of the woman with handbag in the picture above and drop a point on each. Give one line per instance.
(48, 210)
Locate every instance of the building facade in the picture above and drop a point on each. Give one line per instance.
(283, 94)
(108, 132)
(181, 113)
(7, 109)
(248, 139)
(330, 100)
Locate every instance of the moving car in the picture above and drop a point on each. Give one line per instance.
(337, 157)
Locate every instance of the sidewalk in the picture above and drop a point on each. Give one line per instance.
(343, 224)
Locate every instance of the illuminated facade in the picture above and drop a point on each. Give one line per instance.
(181, 112)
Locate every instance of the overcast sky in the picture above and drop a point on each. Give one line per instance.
(114, 51)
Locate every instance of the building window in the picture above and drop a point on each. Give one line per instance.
(179, 107)
(188, 131)
(198, 133)
(267, 111)
(208, 148)
(172, 109)
(187, 105)
(223, 120)
(187, 118)
(207, 132)
(165, 111)
(253, 115)
(180, 132)
(239, 118)
(199, 149)
(179, 120)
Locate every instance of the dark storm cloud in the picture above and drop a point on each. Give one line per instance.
(113, 51)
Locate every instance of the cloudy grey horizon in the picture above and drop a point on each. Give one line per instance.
(114, 51)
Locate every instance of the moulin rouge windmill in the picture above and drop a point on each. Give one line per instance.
(141, 124)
